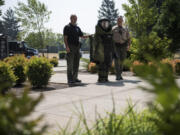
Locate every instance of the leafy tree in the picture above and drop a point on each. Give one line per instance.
(33, 16)
(107, 10)
(33, 40)
(50, 39)
(85, 44)
(141, 17)
(1, 3)
(168, 22)
(1, 26)
(10, 23)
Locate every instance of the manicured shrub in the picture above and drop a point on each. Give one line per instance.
(39, 71)
(54, 62)
(18, 64)
(112, 68)
(7, 77)
(62, 54)
(85, 63)
(92, 67)
(177, 67)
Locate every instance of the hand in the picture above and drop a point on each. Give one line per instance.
(67, 50)
(128, 48)
(92, 35)
(87, 36)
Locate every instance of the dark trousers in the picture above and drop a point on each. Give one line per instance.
(103, 70)
(120, 56)
(73, 59)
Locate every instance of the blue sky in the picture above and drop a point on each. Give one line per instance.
(86, 10)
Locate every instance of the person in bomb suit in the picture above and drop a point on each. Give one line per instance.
(101, 49)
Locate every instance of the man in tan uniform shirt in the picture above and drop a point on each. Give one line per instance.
(122, 42)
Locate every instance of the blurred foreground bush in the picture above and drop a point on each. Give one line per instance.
(14, 113)
(167, 102)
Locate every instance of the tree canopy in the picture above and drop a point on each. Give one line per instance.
(141, 18)
(108, 10)
(1, 3)
(10, 24)
(33, 16)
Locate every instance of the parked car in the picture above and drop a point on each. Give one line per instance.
(21, 48)
(12, 47)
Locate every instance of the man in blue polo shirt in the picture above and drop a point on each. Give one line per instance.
(71, 39)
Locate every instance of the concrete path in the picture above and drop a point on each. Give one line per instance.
(59, 106)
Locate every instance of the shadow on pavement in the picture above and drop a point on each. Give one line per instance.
(119, 83)
(78, 84)
(132, 81)
(114, 84)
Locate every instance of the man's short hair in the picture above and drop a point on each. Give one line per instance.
(120, 17)
(73, 15)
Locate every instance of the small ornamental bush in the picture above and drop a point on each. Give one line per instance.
(18, 64)
(62, 54)
(112, 68)
(135, 63)
(7, 59)
(92, 67)
(7, 77)
(177, 67)
(54, 62)
(39, 71)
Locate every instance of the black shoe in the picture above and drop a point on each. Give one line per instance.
(71, 82)
(101, 80)
(78, 81)
(106, 80)
(119, 78)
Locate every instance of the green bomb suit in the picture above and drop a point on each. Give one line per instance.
(101, 54)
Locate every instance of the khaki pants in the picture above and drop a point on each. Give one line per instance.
(73, 63)
(121, 54)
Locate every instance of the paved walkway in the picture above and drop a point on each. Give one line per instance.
(59, 106)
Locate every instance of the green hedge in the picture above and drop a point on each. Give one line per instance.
(18, 64)
(39, 71)
(7, 77)
(62, 54)
(54, 62)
